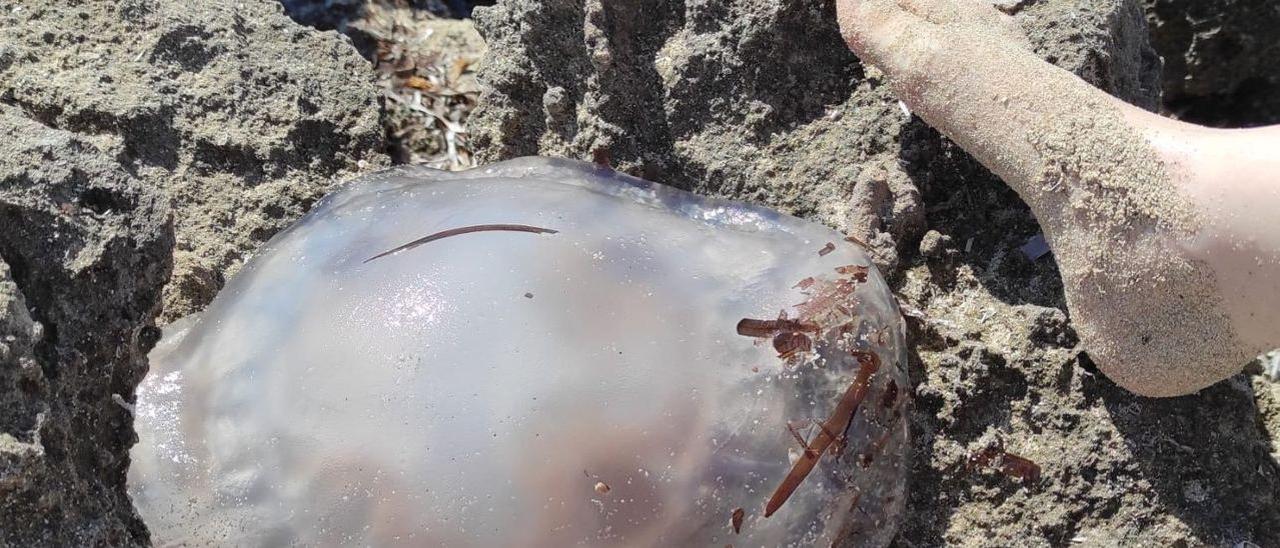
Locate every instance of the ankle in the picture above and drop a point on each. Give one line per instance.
(1232, 180)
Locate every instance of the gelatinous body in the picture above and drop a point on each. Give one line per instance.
(649, 367)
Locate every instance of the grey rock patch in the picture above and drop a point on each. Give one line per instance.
(149, 147)
(84, 250)
(241, 116)
(760, 101)
(1103, 41)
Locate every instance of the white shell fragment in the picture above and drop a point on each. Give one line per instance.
(594, 385)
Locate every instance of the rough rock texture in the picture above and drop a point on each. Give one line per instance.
(339, 14)
(241, 115)
(120, 122)
(1221, 59)
(350, 17)
(747, 100)
(84, 250)
(759, 100)
(425, 67)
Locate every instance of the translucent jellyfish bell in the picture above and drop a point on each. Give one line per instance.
(571, 357)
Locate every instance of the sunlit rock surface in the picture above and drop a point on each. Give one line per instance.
(498, 388)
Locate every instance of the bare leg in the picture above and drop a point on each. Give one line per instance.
(1160, 228)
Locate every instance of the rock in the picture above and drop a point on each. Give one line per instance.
(759, 101)
(243, 117)
(1103, 41)
(142, 138)
(935, 244)
(1221, 59)
(84, 250)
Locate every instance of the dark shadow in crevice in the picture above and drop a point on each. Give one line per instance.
(339, 15)
(637, 33)
(1223, 485)
(333, 15)
(986, 220)
(1254, 102)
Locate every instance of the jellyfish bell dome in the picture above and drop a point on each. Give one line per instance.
(533, 353)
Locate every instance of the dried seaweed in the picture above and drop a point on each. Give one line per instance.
(430, 91)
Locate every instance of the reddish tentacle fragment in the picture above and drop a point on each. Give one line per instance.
(839, 421)
(736, 519)
(1010, 464)
(799, 439)
(858, 272)
(827, 296)
(748, 327)
(890, 394)
(790, 344)
(463, 230)
(845, 329)
(854, 240)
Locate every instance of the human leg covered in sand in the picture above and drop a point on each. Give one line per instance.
(1163, 231)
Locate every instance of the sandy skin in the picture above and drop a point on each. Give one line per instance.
(1160, 228)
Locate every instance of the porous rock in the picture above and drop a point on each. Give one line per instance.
(242, 116)
(754, 100)
(761, 101)
(142, 138)
(84, 250)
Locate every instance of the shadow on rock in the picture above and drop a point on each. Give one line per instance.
(1207, 457)
(982, 221)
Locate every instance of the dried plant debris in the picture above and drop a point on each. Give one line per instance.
(1014, 466)
(425, 65)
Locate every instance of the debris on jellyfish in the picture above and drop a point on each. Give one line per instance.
(832, 430)
(381, 371)
(459, 231)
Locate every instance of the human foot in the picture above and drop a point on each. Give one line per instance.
(1171, 276)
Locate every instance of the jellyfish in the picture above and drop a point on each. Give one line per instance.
(538, 352)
